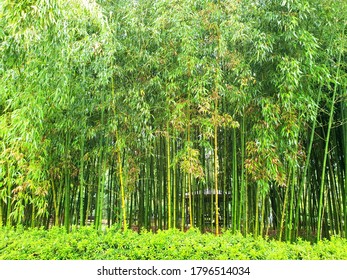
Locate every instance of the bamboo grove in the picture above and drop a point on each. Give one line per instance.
(188, 113)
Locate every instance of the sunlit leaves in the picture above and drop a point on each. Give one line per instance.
(151, 89)
(190, 162)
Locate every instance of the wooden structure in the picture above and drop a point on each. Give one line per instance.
(203, 208)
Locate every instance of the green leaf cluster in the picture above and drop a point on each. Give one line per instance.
(137, 112)
(87, 243)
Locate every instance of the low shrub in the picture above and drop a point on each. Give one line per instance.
(86, 243)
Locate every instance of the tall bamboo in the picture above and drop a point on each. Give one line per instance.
(326, 150)
(168, 178)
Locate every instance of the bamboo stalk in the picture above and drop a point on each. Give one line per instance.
(326, 151)
(344, 148)
(168, 179)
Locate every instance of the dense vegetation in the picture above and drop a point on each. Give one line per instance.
(173, 114)
(87, 244)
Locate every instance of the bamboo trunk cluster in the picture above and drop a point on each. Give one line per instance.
(175, 114)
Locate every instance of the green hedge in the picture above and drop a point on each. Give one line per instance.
(88, 244)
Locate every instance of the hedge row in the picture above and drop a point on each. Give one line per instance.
(88, 244)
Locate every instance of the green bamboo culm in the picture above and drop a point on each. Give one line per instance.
(336, 82)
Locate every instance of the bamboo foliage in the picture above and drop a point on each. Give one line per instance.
(160, 114)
